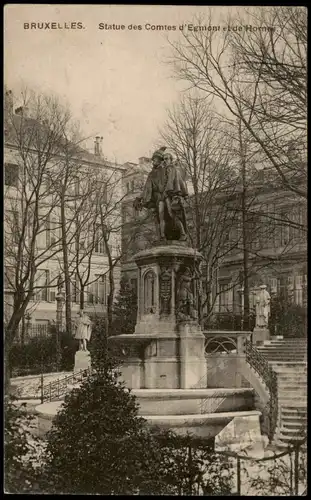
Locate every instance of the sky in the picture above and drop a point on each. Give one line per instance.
(116, 82)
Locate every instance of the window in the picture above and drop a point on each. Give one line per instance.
(13, 225)
(42, 280)
(77, 187)
(99, 290)
(9, 276)
(298, 290)
(225, 297)
(273, 284)
(42, 239)
(80, 243)
(52, 227)
(104, 192)
(11, 174)
(75, 292)
(99, 243)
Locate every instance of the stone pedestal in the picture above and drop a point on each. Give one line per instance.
(82, 361)
(260, 335)
(167, 349)
(192, 357)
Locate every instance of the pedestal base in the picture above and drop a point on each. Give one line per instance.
(260, 335)
(82, 361)
(169, 361)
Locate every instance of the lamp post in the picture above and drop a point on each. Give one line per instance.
(60, 299)
(41, 365)
(28, 327)
(241, 292)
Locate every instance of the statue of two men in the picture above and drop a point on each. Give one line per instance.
(163, 193)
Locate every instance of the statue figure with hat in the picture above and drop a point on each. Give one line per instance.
(164, 193)
(262, 307)
(83, 330)
(186, 305)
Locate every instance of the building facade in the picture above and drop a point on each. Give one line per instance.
(87, 255)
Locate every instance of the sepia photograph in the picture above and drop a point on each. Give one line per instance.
(155, 250)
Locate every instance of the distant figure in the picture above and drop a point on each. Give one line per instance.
(163, 194)
(262, 307)
(83, 331)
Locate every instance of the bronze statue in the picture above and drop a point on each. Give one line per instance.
(163, 193)
(186, 305)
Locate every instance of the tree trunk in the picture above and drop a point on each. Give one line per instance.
(82, 296)
(66, 267)
(110, 300)
(245, 229)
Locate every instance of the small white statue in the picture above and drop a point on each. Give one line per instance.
(83, 330)
(262, 307)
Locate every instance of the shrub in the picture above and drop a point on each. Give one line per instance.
(20, 449)
(103, 353)
(124, 310)
(99, 445)
(39, 354)
(287, 319)
(228, 321)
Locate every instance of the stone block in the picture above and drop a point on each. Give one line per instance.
(82, 361)
(260, 335)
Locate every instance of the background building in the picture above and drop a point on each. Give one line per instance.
(267, 244)
(84, 216)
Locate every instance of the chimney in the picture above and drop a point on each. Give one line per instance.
(98, 145)
(143, 159)
(22, 111)
(9, 101)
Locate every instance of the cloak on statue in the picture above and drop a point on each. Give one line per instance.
(165, 183)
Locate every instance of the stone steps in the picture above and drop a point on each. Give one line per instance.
(294, 424)
(286, 443)
(288, 358)
(281, 348)
(284, 358)
(291, 386)
(285, 401)
(288, 364)
(290, 408)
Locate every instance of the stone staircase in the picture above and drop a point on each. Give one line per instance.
(288, 358)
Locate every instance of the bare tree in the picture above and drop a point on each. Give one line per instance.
(200, 142)
(225, 213)
(33, 136)
(259, 74)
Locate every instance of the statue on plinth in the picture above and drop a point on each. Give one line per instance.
(83, 330)
(186, 305)
(164, 193)
(262, 307)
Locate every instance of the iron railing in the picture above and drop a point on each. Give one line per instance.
(56, 389)
(261, 366)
